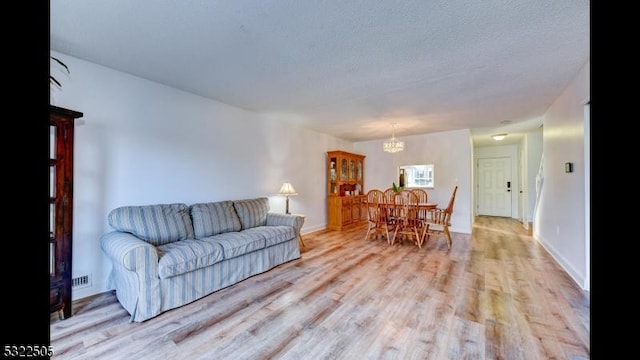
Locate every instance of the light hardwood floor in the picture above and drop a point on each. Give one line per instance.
(497, 294)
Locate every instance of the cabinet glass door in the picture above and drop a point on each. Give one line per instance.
(352, 170)
(333, 176)
(344, 167)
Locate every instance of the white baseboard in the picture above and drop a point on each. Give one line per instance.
(564, 264)
(96, 288)
(313, 228)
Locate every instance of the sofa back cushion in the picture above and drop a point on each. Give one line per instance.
(214, 218)
(156, 224)
(252, 212)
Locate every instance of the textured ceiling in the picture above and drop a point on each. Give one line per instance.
(347, 68)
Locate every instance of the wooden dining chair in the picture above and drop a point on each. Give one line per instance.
(389, 195)
(423, 196)
(439, 219)
(407, 222)
(376, 214)
(390, 198)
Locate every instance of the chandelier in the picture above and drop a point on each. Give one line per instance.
(393, 145)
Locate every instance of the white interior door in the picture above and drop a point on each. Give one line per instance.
(494, 186)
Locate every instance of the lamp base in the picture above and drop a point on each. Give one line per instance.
(287, 208)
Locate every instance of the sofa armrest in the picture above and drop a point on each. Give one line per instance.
(129, 251)
(277, 219)
(134, 273)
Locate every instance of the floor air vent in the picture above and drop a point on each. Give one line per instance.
(80, 281)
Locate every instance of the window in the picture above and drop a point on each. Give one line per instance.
(416, 176)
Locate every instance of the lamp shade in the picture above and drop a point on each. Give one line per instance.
(287, 189)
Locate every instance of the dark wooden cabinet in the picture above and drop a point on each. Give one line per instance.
(61, 130)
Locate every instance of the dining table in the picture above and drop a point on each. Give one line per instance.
(421, 206)
(391, 217)
(389, 209)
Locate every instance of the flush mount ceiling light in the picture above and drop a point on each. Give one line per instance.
(498, 137)
(392, 145)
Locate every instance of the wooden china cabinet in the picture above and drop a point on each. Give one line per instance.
(61, 129)
(345, 189)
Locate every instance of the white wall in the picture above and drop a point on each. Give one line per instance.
(560, 223)
(532, 155)
(451, 154)
(140, 142)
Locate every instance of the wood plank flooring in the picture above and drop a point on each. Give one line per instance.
(497, 294)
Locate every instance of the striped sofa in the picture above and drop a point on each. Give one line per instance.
(167, 255)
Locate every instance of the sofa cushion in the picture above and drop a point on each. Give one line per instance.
(183, 256)
(252, 212)
(156, 224)
(214, 218)
(238, 243)
(274, 234)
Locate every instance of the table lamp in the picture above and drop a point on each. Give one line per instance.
(287, 189)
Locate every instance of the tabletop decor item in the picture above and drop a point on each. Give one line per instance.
(287, 190)
(396, 188)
